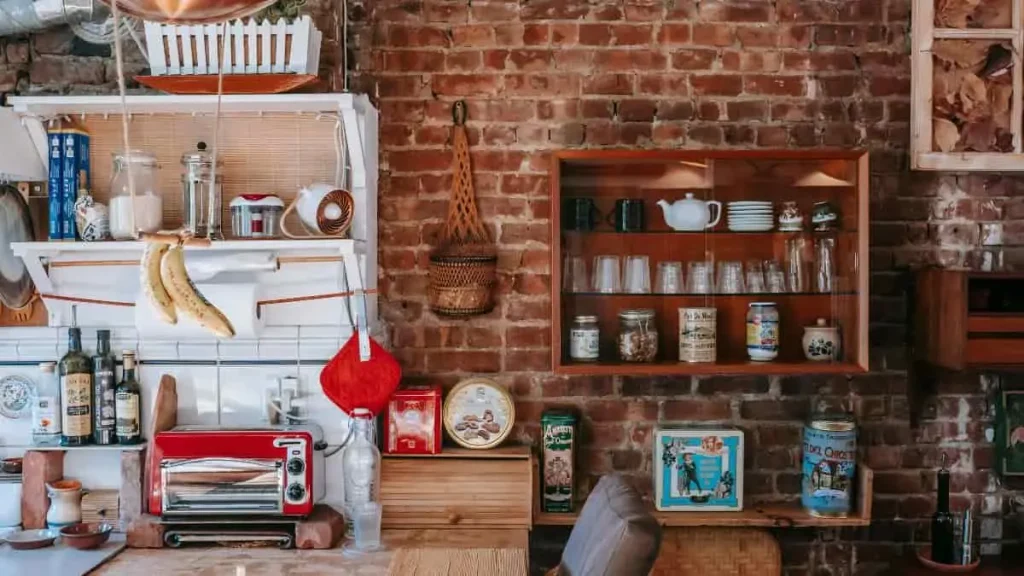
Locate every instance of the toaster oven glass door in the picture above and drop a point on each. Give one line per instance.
(222, 486)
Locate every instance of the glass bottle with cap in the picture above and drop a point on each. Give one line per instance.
(196, 184)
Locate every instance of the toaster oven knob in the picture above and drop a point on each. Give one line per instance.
(296, 466)
(296, 492)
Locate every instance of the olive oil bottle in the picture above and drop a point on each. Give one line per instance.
(128, 399)
(75, 393)
(104, 383)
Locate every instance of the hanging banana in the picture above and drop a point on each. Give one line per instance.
(187, 298)
(153, 284)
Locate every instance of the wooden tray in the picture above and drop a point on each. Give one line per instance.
(233, 83)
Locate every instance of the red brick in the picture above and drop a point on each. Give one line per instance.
(667, 110)
(509, 34)
(713, 35)
(889, 85)
(412, 36)
(839, 86)
(606, 12)
(710, 135)
(772, 136)
(547, 85)
(413, 61)
(447, 13)
(536, 34)
(687, 410)
(693, 59)
(494, 11)
(774, 85)
(527, 360)
(595, 35)
(709, 110)
(664, 84)
(565, 33)
(781, 409)
(717, 85)
(465, 84)
(757, 36)
(747, 110)
(498, 110)
(674, 33)
(472, 35)
(608, 84)
(464, 61)
(716, 11)
(636, 110)
(530, 60)
(464, 361)
(732, 385)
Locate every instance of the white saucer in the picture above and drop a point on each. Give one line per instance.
(749, 204)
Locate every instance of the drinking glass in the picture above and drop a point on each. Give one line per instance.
(824, 263)
(638, 275)
(774, 277)
(607, 276)
(574, 275)
(795, 269)
(670, 278)
(730, 278)
(755, 277)
(699, 278)
(366, 526)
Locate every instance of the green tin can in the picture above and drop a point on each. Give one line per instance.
(557, 461)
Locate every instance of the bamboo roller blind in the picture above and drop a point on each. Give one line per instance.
(269, 154)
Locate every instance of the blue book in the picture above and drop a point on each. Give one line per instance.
(70, 182)
(55, 144)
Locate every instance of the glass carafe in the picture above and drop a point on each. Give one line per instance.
(196, 181)
(148, 206)
(361, 463)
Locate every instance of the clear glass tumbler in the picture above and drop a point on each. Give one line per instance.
(699, 278)
(638, 275)
(730, 278)
(670, 278)
(607, 275)
(366, 525)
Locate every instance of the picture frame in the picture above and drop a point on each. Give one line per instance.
(698, 469)
(1010, 432)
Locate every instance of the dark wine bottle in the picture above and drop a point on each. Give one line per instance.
(129, 399)
(942, 521)
(75, 393)
(104, 383)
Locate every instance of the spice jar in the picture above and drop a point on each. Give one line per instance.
(638, 335)
(584, 339)
(148, 212)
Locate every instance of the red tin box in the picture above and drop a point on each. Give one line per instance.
(412, 421)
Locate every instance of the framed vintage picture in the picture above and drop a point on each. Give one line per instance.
(1010, 432)
(698, 469)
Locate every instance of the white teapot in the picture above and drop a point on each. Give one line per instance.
(691, 214)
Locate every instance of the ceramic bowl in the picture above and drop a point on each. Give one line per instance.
(31, 539)
(86, 535)
(10, 465)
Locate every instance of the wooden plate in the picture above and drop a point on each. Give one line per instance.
(233, 83)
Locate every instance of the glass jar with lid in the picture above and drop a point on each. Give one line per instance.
(147, 212)
(196, 182)
(638, 335)
(584, 339)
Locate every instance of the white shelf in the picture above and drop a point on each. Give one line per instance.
(87, 448)
(49, 106)
(45, 249)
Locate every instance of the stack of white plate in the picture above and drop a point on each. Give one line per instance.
(750, 216)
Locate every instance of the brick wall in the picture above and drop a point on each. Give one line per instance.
(545, 74)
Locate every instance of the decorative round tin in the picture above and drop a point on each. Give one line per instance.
(697, 334)
(479, 414)
(829, 465)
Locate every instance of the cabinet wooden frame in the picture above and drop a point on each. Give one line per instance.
(923, 35)
(853, 242)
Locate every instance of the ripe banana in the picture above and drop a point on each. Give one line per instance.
(153, 285)
(187, 298)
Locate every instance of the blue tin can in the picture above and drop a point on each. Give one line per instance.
(829, 465)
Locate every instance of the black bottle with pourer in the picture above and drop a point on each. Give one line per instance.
(942, 521)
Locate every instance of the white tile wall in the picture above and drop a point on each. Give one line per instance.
(222, 384)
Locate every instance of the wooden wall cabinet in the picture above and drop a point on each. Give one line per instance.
(805, 177)
(968, 319)
(966, 91)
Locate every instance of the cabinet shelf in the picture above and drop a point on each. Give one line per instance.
(763, 175)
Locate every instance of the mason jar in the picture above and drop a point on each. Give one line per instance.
(638, 335)
(584, 339)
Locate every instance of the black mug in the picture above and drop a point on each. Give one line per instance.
(579, 214)
(628, 215)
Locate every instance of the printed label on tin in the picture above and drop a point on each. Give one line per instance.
(829, 465)
(584, 344)
(763, 334)
(697, 334)
(558, 468)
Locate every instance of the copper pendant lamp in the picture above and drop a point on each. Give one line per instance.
(191, 11)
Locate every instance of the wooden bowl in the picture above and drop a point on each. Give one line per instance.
(924, 556)
(86, 535)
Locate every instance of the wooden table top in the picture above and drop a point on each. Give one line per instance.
(410, 553)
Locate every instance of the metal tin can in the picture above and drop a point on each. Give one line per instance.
(829, 465)
(697, 334)
(762, 331)
(584, 339)
(558, 471)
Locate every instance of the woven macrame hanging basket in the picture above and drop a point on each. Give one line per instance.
(463, 268)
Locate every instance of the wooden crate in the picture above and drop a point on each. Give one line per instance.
(458, 488)
(931, 33)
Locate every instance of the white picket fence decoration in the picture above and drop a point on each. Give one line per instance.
(250, 48)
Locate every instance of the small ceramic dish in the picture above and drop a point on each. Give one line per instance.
(10, 465)
(86, 535)
(31, 539)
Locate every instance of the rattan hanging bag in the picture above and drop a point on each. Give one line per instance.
(463, 269)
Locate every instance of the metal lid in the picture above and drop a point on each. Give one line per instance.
(752, 304)
(199, 157)
(636, 314)
(833, 422)
(585, 318)
(265, 200)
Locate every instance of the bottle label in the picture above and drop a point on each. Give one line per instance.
(128, 414)
(76, 416)
(105, 399)
(44, 417)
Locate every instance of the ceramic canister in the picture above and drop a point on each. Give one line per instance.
(829, 465)
(697, 334)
